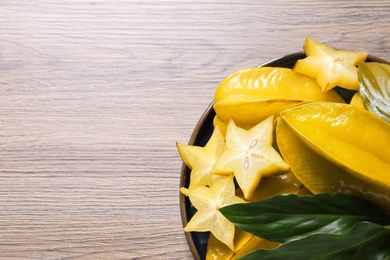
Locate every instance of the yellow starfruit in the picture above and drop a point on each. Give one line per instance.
(330, 67)
(208, 201)
(250, 96)
(250, 156)
(357, 100)
(201, 160)
(348, 148)
(244, 243)
(279, 184)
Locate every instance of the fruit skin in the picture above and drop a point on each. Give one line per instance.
(353, 138)
(247, 113)
(357, 100)
(320, 143)
(244, 243)
(271, 83)
(330, 67)
(250, 96)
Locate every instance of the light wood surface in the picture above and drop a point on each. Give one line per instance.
(95, 94)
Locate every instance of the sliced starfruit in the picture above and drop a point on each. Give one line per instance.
(351, 138)
(244, 243)
(216, 250)
(250, 96)
(201, 160)
(330, 67)
(250, 156)
(255, 243)
(208, 201)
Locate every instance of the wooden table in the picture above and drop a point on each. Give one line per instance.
(95, 94)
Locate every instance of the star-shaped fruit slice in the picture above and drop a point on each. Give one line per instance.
(330, 67)
(250, 155)
(202, 159)
(208, 201)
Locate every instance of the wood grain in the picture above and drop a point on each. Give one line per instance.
(95, 94)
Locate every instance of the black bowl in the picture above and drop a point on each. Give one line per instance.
(197, 241)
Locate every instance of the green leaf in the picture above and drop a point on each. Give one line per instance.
(362, 241)
(287, 217)
(382, 253)
(374, 87)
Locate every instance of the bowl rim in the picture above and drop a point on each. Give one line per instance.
(201, 127)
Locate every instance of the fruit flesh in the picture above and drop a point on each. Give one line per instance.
(245, 242)
(201, 159)
(330, 67)
(207, 201)
(250, 156)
